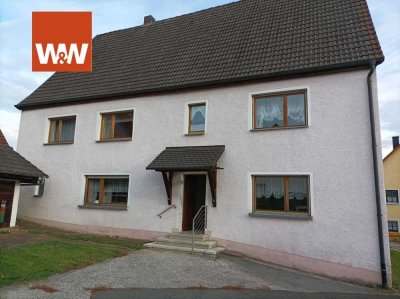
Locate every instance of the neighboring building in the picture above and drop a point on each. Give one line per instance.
(391, 167)
(14, 171)
(257, 109)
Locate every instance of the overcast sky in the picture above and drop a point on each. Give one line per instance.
(17, 80)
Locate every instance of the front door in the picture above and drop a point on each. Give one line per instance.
(194, 196)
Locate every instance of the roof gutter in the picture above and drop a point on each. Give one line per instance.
(376, 175)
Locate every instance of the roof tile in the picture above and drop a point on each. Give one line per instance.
(238, 41)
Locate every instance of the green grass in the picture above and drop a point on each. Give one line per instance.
(36, 261)
(395, 257)
(104, 240)
(90, 238)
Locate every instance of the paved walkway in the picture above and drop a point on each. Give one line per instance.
(226, 294)
(148, 269)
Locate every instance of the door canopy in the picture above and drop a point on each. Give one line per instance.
(185, 159)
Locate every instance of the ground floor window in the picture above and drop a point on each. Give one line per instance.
(108, 191)
(281, 194)
(393, 226)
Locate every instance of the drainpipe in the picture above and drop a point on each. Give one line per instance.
(376, 175)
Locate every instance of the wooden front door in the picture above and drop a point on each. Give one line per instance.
(194, 196)
(6, 201)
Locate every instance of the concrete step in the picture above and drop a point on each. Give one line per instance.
(186, 242)
(188, 236)
(209, 252)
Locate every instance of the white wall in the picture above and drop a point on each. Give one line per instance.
(14, 208)
(335, 149)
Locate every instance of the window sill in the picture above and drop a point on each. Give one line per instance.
(114, 140)
(195, 134)
(278, 128)
(281, 216)
(59, 143)
(392, 203)
(103, 207)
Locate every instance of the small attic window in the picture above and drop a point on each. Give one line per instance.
(197, 118)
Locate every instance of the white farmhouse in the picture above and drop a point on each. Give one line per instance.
(260, 114)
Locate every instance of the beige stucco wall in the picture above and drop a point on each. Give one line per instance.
(335, 150)
(391, 166)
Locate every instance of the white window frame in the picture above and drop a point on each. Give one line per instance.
(104, 175)
(278, 173)
(99, 117)
(48, 119)
(398, 197)
(286, 89)
(186, 117)
(396, 220)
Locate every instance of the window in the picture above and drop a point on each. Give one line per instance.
(393, 226)
(280, 110)
(62, 130)
(197, 118)
(281, 194)
(116, 126)
(107, 191)
(392, 196)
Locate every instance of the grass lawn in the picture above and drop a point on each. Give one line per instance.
(35, 261)
(59, 252)
(395, 257)
(104, 240)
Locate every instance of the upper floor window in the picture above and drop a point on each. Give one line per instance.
(197, 118)
(62, 129)
(280, 110)
(392, 196)
(116, 126)
(281, 194)
(102, 190)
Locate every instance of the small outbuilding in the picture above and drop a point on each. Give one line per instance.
(15, 171)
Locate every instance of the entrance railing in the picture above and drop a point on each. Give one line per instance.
(199, 223)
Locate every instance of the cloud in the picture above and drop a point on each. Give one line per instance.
(9, 125)
(386, 17)
(390, 126)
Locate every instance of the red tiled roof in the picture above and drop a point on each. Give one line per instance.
(3, 139)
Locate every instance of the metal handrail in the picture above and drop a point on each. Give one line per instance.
(170, 207)
(199, 223)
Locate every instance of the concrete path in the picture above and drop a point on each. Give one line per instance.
(148, 269)
(226, 294)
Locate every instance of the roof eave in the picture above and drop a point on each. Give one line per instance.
(21, 178)
(354, 64)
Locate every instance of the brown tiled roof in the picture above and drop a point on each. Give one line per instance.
(244, 40)
(187, 158)
(14, 166)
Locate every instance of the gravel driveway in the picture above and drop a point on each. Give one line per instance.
(149, 268)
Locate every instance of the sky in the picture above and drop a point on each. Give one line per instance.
(17, 79)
